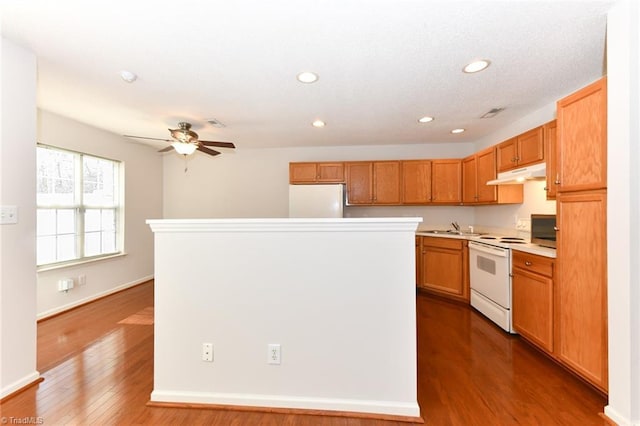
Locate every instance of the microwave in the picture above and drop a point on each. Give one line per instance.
(543, 230)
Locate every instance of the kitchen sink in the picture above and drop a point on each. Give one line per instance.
(451, 232)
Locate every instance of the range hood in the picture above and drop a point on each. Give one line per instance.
(518, 176)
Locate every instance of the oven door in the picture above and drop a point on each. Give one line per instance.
(489, 272)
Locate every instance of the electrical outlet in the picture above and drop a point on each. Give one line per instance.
(82, 279)
(65, 284)
(524, 225)
(207, 352)
(8, 215)
(273, 353)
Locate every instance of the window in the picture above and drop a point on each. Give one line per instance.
(79, 208)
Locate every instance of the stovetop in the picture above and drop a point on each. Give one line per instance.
(499, 240)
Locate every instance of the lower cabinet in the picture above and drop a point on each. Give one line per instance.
(443, 267)
(533, 293)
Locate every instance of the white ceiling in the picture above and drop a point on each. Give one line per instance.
(382, 65)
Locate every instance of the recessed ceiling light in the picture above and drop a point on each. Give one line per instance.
(425, 119)
(318, 123)
(455, 131)
(307, 77)
(476, 66)
(128, 76)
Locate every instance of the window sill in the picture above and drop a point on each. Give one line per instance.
(78, 262)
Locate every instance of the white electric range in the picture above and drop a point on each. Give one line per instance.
(490, 277)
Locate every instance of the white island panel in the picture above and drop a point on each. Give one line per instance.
(338, 295)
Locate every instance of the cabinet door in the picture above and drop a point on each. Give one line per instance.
(469, 180)
(550, 156)
(445, 267)
(442, 270)
(386, 182)
(582, 139)
(302, 172)
(359, 182)
(581, 321)
(507, 155)
(533, 307)
(446, 176)
(330, 172)
(416, 182)
(530, 147)
(487, 171)
(418, 260)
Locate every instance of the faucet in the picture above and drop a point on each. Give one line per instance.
(455, 226)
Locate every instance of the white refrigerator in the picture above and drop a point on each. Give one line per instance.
(316, 200)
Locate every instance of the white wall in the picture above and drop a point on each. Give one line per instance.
(255, 182)
(17, 241)
(338, 295)
(623, 212)
(143, 200)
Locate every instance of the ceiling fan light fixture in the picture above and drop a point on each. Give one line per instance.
(184, 134)
(184, 148)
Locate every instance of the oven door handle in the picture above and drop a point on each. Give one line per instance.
(496, 251)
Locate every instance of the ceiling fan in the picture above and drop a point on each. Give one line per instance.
(185, 141)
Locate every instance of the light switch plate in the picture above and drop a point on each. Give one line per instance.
(8, 215)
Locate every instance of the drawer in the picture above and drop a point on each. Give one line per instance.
(533, 263)
(448, 243)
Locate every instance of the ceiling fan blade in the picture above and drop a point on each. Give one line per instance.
(143, 137)
(207, 150)
(218, 144)
(167, 149)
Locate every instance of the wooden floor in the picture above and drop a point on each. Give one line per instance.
(99, 371)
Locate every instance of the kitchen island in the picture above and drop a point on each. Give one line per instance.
(336, 297)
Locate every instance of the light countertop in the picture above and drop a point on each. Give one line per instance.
(527, 247)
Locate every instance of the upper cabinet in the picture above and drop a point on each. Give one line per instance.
(522, 150)
(446, 180)
(373, 182)
(316, 172)
(479, 168)
(550, 144)
(416, 181)
(582, 139)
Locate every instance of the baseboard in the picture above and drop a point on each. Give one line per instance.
(408, 411)
(612, 417)
(92, 298)
(19, 385)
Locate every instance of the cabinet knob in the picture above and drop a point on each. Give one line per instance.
(528, 263)
(555, 228)
(546, 189)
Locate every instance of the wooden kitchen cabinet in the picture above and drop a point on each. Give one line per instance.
(446, 181)
(479, 168)
(445, 267)
(359, 182)
(581, 218)
(533, 298)
(582, 139)
(522, 150)
(316, 173)
(373, 182)
(581, 315)
(550, 146)
(418, 259)
(416, 181)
